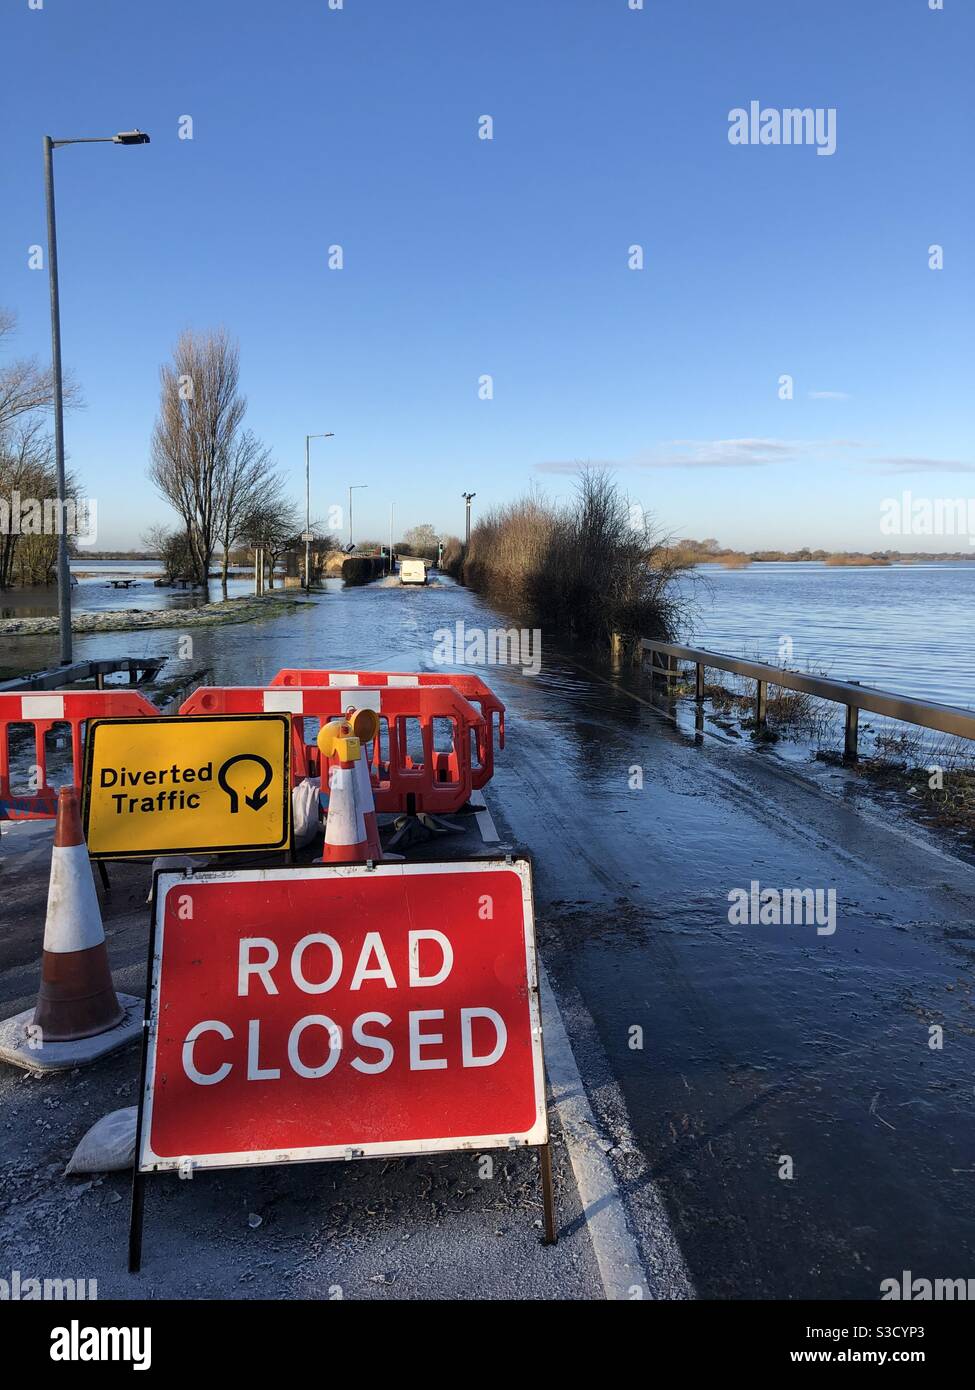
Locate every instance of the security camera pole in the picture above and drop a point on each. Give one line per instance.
(467, 498)
(127, 137)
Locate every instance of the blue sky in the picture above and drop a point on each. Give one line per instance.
(465, 257)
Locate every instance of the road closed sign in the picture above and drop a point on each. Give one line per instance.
(339, 1012)
(209, 783)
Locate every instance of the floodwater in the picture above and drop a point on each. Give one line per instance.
(787, 1089)
(94, 592)
(906, 628)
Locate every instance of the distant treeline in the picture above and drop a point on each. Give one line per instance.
(692, 552)
(145, 555)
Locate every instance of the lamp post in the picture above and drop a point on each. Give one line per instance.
(308, 439)
(126, 137)
(63, 569)
(390, 566)
(467, 498)
(352, 488)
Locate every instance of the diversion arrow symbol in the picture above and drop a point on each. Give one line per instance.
(257, 799)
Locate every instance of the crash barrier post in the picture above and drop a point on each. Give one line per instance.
(945, 719)
(41, 713)
(271, 1037)
(473, 689)
(436, 781)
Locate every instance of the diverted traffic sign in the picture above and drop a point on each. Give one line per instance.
(340, 1011)
(210, 784)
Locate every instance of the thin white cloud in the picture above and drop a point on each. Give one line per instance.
(921, 465)
(713, 453)
(829, 395)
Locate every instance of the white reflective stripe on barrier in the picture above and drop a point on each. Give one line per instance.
(402, 680)
(342, 678)
(42, 707)
(369, 699)
(283, 701)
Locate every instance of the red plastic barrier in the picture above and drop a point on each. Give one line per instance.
(471, 687)
(437, 781)
(44, 711)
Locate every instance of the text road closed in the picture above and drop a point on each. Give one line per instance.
(303, 1014)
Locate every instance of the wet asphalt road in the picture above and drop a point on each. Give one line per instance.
(761, 1050)
(759, 1043)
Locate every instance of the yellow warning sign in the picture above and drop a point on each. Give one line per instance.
(206, 783)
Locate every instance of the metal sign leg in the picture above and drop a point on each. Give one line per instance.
(548, 1196)
(135, 1220)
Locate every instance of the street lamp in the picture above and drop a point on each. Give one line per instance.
(351, 490)
(125, 137)
(467, 498)
(308, 439)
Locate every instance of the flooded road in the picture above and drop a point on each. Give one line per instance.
(786, 1089)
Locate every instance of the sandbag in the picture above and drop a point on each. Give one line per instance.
(109, 1145)
(304, 810)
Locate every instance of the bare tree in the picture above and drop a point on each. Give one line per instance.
(25, 386)
(28, 478)
(29, 516)
(421, 540)
(172, 549)
(245, 481)
(200, 412)
(271, 526)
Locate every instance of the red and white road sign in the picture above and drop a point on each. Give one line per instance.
(339, 1011)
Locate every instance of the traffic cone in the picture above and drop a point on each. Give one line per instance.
(365, 726)
(78, 1017)
(335, 740)
(346, 836)
(368, 804)
(77, 998)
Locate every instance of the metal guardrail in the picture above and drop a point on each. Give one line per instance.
(139, 668)
(946, 719)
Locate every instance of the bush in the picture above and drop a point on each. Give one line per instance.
(452, 560)
(588, 569)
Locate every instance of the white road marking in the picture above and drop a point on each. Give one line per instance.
(617, 1255)
(485, 821)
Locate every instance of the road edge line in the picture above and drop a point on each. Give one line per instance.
(621, 1268)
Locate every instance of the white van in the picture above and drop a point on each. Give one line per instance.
(412, 572)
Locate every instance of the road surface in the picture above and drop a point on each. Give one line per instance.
(787, 1112)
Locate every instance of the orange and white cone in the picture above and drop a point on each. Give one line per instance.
(367, 803)
(77, 998)
(342, 742)
(346, 836)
